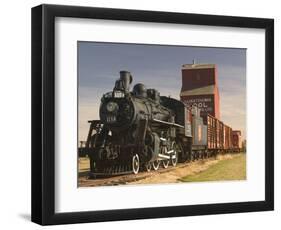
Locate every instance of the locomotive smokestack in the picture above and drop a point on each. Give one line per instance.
(126, 79)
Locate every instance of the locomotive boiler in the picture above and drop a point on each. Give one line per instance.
(137, 130)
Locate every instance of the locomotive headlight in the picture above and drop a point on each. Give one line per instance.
(112, 107)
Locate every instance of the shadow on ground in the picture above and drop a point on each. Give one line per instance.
(25, 216)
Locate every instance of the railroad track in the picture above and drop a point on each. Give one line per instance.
(86, 181)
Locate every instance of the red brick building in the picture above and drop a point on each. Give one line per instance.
(200, 88)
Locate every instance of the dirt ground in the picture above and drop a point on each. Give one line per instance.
(174, 175)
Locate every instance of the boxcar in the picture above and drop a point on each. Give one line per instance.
(211, 129)
(211, 136)
(214, 133)
(220, 134)
(236, 140)
(227, 138)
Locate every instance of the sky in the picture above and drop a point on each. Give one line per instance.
(159, 67)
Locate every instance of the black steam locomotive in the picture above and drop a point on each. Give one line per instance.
(138, 130)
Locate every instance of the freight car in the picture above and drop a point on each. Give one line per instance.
(141, 130)
(236, 141)
(210, 136)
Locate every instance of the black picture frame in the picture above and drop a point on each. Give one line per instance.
(43, 114)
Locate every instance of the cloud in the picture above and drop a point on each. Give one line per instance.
(158, 67)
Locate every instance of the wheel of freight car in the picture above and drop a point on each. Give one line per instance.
(174, 154)
(156, 165)
(148, 167)
(136, 164)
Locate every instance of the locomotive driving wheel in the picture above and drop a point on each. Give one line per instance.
(165, 163)
(136, 164)
(156, 165)
(174, 154)
(148, 167)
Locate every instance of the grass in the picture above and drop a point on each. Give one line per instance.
(228, 169)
